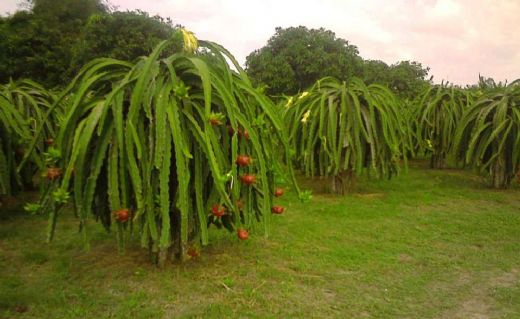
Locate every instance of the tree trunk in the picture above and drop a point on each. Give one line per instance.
(343, 182)
(161, 260)
(438, 161)
(153, 253)
(499, 178)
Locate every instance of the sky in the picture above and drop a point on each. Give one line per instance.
(457, 39)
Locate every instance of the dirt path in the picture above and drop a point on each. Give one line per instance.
(480, 303)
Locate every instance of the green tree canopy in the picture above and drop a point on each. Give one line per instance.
(407, 79)
(38, 43)
(67, 11)
(296, 57)
(376, 71)
(120, 35)
(51, 40)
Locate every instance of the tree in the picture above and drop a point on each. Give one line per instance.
(120, 35)
(39, 42)
(407, 79)
(376, 71)
(67, 11)
(23, 108)
(13, 131)
(51, 40)
(340, 129)
(145, 146)
(296, 57)
(488, 135)
(437, 115)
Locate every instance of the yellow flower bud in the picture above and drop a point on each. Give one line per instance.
(190, 41)
(306, 116)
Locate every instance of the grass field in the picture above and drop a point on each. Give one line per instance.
(428, 244)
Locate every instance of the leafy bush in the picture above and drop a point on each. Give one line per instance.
(24, 107)
(436, 118)
(339, 129)
(488, 136)
(153, 146)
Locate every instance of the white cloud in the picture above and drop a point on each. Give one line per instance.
(446, 8)
(457, 39)
(8, 6)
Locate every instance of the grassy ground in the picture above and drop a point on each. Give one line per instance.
(429, 244)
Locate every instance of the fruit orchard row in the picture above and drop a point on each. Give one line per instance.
(168, 146)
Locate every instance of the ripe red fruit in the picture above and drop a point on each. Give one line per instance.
(244, 133)
(230, 129)
(49, 141)
(248, 179)
(21, 308)
(214, 121)
(20, 151)
(242, 234)
(243, 160)
(278, 192)
(218, 211)
(122, 215)
(193, 252)
(277, 210)
(53, 173)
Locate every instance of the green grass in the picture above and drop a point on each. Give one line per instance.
(428, 244)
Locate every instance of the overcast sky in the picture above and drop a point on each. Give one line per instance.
(457, 39)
